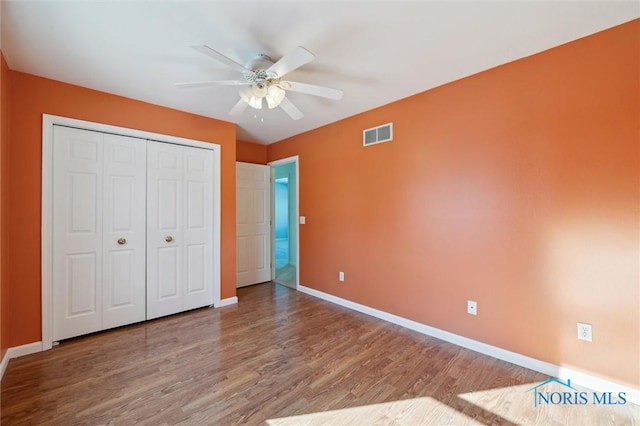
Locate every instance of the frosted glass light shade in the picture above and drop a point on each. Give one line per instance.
(275, 95)
(249, 98)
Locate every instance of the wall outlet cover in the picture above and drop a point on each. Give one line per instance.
(472, 307)
(585, 332)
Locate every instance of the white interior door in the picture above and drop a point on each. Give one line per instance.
(99, 242)
(253, 223)
(179, 228)
(77, 232)
(198, 227)
(124, 231)
(165, 169)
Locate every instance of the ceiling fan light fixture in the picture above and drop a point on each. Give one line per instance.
(264, 79)
(275, 95)
(259, 89)
(248, 96)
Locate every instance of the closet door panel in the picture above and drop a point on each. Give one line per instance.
(196, 279)
(124, 231)
(77, 232)
(198, 232)
(165, 169)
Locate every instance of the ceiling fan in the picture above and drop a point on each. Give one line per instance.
(264, 79)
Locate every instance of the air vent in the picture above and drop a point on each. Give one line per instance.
(378, 134)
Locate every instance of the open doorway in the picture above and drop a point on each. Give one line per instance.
(285, 224)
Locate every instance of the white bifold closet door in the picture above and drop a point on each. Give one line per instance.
(99, 220)
(132, 230)
(179, 228)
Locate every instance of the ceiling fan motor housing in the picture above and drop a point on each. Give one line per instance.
(259, 65)
(259, 77)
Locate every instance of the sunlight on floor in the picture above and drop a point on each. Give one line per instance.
(507, 405)
(417, 411)
(516, 404)
(513, 403)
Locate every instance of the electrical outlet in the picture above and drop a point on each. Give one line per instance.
(472, 307)
(584, 332)
(341, 276)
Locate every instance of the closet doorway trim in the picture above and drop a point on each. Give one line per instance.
(48, 121)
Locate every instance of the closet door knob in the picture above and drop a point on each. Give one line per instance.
(122, 241)
(168, 238)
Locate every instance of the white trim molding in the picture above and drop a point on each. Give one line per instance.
(18, 351)
(296, 160)
(48, 121)
(577, 377)
(227, 302)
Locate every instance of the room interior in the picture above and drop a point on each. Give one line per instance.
(513, 184)
(285, 225)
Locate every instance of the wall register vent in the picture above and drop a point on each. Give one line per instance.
(378, 134)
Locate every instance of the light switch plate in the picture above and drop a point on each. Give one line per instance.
(302, 220)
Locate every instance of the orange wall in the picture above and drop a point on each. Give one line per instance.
(517, 187)
(249, 152)
(4, 127)
(30, 97)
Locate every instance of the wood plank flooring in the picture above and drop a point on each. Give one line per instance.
(279, 357)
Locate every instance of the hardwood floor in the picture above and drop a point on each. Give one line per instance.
(280, 357)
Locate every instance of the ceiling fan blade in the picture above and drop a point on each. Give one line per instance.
(239, 108)
(291, 61)
(312, 89)
(206, 50)
(212, 83)
(291, 110)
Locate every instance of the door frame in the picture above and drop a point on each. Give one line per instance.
(296, 160)
(48, 121)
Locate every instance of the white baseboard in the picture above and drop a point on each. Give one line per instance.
(229, 301)
(18, 351)
(577, 377)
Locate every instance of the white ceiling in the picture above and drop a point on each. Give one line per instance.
(375, 51)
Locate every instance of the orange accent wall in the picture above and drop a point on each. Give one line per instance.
(29, 98)
(517, 187)
(4, 128)
(250, 152)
